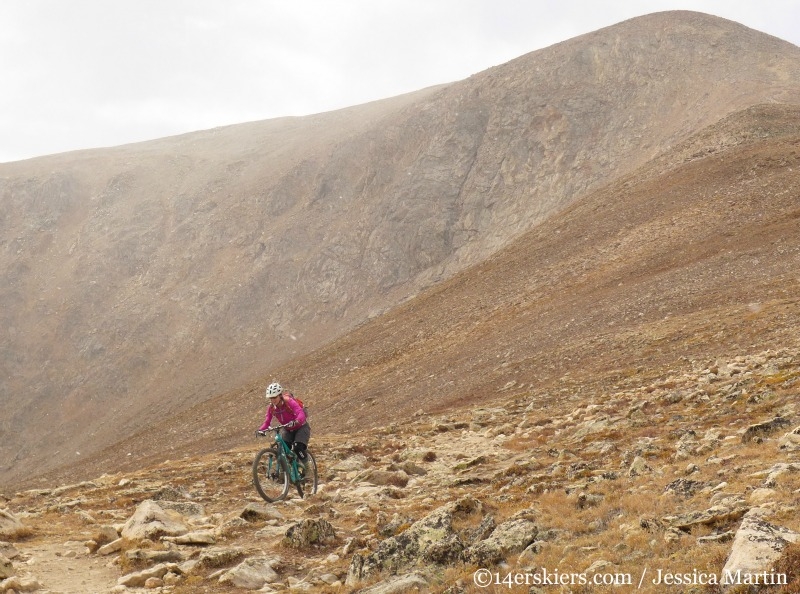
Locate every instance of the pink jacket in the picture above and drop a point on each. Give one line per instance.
(290, 411)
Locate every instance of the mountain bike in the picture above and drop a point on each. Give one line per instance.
(277, 466)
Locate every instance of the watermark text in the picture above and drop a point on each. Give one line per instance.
(542, 577)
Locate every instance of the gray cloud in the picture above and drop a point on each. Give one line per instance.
(90, 73)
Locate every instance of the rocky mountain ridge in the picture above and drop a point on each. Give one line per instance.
(141, 280)
(660, 474)
(694, 255)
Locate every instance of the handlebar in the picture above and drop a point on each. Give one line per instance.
(264, 432)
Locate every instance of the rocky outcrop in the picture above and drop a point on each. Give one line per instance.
(307, 533)
(763, 429)
(791, 441)
(151, 520)
(435, 540)
(252, 574)
(507, 539)
(756, 547)
(10, 526)
(713, 516)
(20, 584)
(431, 540)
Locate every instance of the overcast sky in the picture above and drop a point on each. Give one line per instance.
(88, 73)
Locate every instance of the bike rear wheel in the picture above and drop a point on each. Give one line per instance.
(269, 475)
(307, 485)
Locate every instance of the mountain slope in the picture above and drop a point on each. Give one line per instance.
(655, 475)
(693, 256)
(142, 279)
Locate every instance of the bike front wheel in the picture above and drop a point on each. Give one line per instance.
(269, 475)
(307, 485)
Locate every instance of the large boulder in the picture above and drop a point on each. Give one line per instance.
(791, 441)
(763, 429)
(756, 547)
(137, 579)
(255, 512)
(215, 557)
(151, 521)
(252, 574)
(716, 515)
(20, 583)
(310, 532)
(10, 526)
(507, 539)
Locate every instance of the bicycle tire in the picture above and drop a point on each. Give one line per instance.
(269, 475)
(308, 485)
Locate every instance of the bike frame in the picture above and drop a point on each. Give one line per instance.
(286, 452)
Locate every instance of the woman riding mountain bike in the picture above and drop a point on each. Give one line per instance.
(288, 461)
(277, 467)
(291, 413)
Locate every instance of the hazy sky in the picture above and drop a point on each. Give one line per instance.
(88, 73)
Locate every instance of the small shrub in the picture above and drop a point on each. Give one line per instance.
(429, 456)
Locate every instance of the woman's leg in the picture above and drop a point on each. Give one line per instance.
(300, 441)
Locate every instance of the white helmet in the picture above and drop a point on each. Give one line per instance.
(274, 389)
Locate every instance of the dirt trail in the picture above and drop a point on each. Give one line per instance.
(67, 568)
